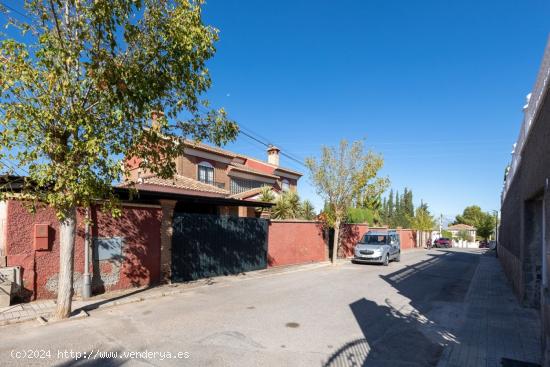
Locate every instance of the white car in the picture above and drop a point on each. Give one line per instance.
(378, 247)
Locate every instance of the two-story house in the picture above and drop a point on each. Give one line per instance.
(204, 170)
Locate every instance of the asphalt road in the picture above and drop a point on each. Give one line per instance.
(344, 315)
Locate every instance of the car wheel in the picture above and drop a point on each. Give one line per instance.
(398, 257)
(386, 260)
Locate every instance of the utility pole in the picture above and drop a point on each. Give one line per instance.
(86, 277)
(440, 224)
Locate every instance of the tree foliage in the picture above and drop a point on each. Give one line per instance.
(360, 215)
(343, 173)
(486, 227)
(289, 206)
(473, 216)
(78, 95)
(423, 220)
(266, 194)
(398, 210)
(307, 210)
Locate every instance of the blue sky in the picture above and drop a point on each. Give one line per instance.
(436, 86)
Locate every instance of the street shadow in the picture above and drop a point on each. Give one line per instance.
(417, 332)
(443, 278)
(98, 304)
(107, 361)
(390, 338)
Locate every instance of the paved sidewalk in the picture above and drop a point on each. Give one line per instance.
(33, 310)
(495, 325)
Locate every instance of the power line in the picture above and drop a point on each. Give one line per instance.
(269, 143)
(17, 170)
(264, 141)
(14, 10)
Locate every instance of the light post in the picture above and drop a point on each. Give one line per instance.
(86, 277)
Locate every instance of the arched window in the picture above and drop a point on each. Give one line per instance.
(285, 185)
(206, 173)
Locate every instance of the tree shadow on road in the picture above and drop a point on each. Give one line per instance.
(390, 338)
(100, 362)
(414, 333)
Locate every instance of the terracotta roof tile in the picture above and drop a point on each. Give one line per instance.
(247, 193)
(182, 182)
(216, 150)
(461, 226)
(242, 167)
(209, 148)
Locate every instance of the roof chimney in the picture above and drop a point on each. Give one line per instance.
(273, 155)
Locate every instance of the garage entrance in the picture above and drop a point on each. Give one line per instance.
(205, 245)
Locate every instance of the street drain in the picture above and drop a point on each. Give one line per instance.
(293, 325)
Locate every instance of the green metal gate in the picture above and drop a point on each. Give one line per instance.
(208, 245)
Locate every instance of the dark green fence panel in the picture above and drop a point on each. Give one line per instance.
(208, 245)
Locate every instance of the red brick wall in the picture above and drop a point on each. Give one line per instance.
(139, 227)
(295, 242)
(349, 236)
(408, 238)
(351, 233)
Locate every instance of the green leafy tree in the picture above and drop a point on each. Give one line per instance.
(464, 235)
(287, 206)
(360, 215)
(486, 227)
(423, 222)
(374, 208)
(446, 234)
(77, 96)
(307, 210)
(472, 216)
(484, 222)
(402, 216)
(342, 174)
(266, 194)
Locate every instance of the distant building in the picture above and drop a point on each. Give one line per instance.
(455, 229)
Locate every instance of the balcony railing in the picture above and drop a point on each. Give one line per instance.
(530, 113)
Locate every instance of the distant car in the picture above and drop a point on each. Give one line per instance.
(484, 244)
(378, 247)
(443, 242)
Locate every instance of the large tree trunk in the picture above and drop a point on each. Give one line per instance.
(336, 241)
(66, 261)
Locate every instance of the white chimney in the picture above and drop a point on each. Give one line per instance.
(273, 155)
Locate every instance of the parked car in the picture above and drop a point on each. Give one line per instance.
(443, 242)
(484, 244)
(378, 247)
